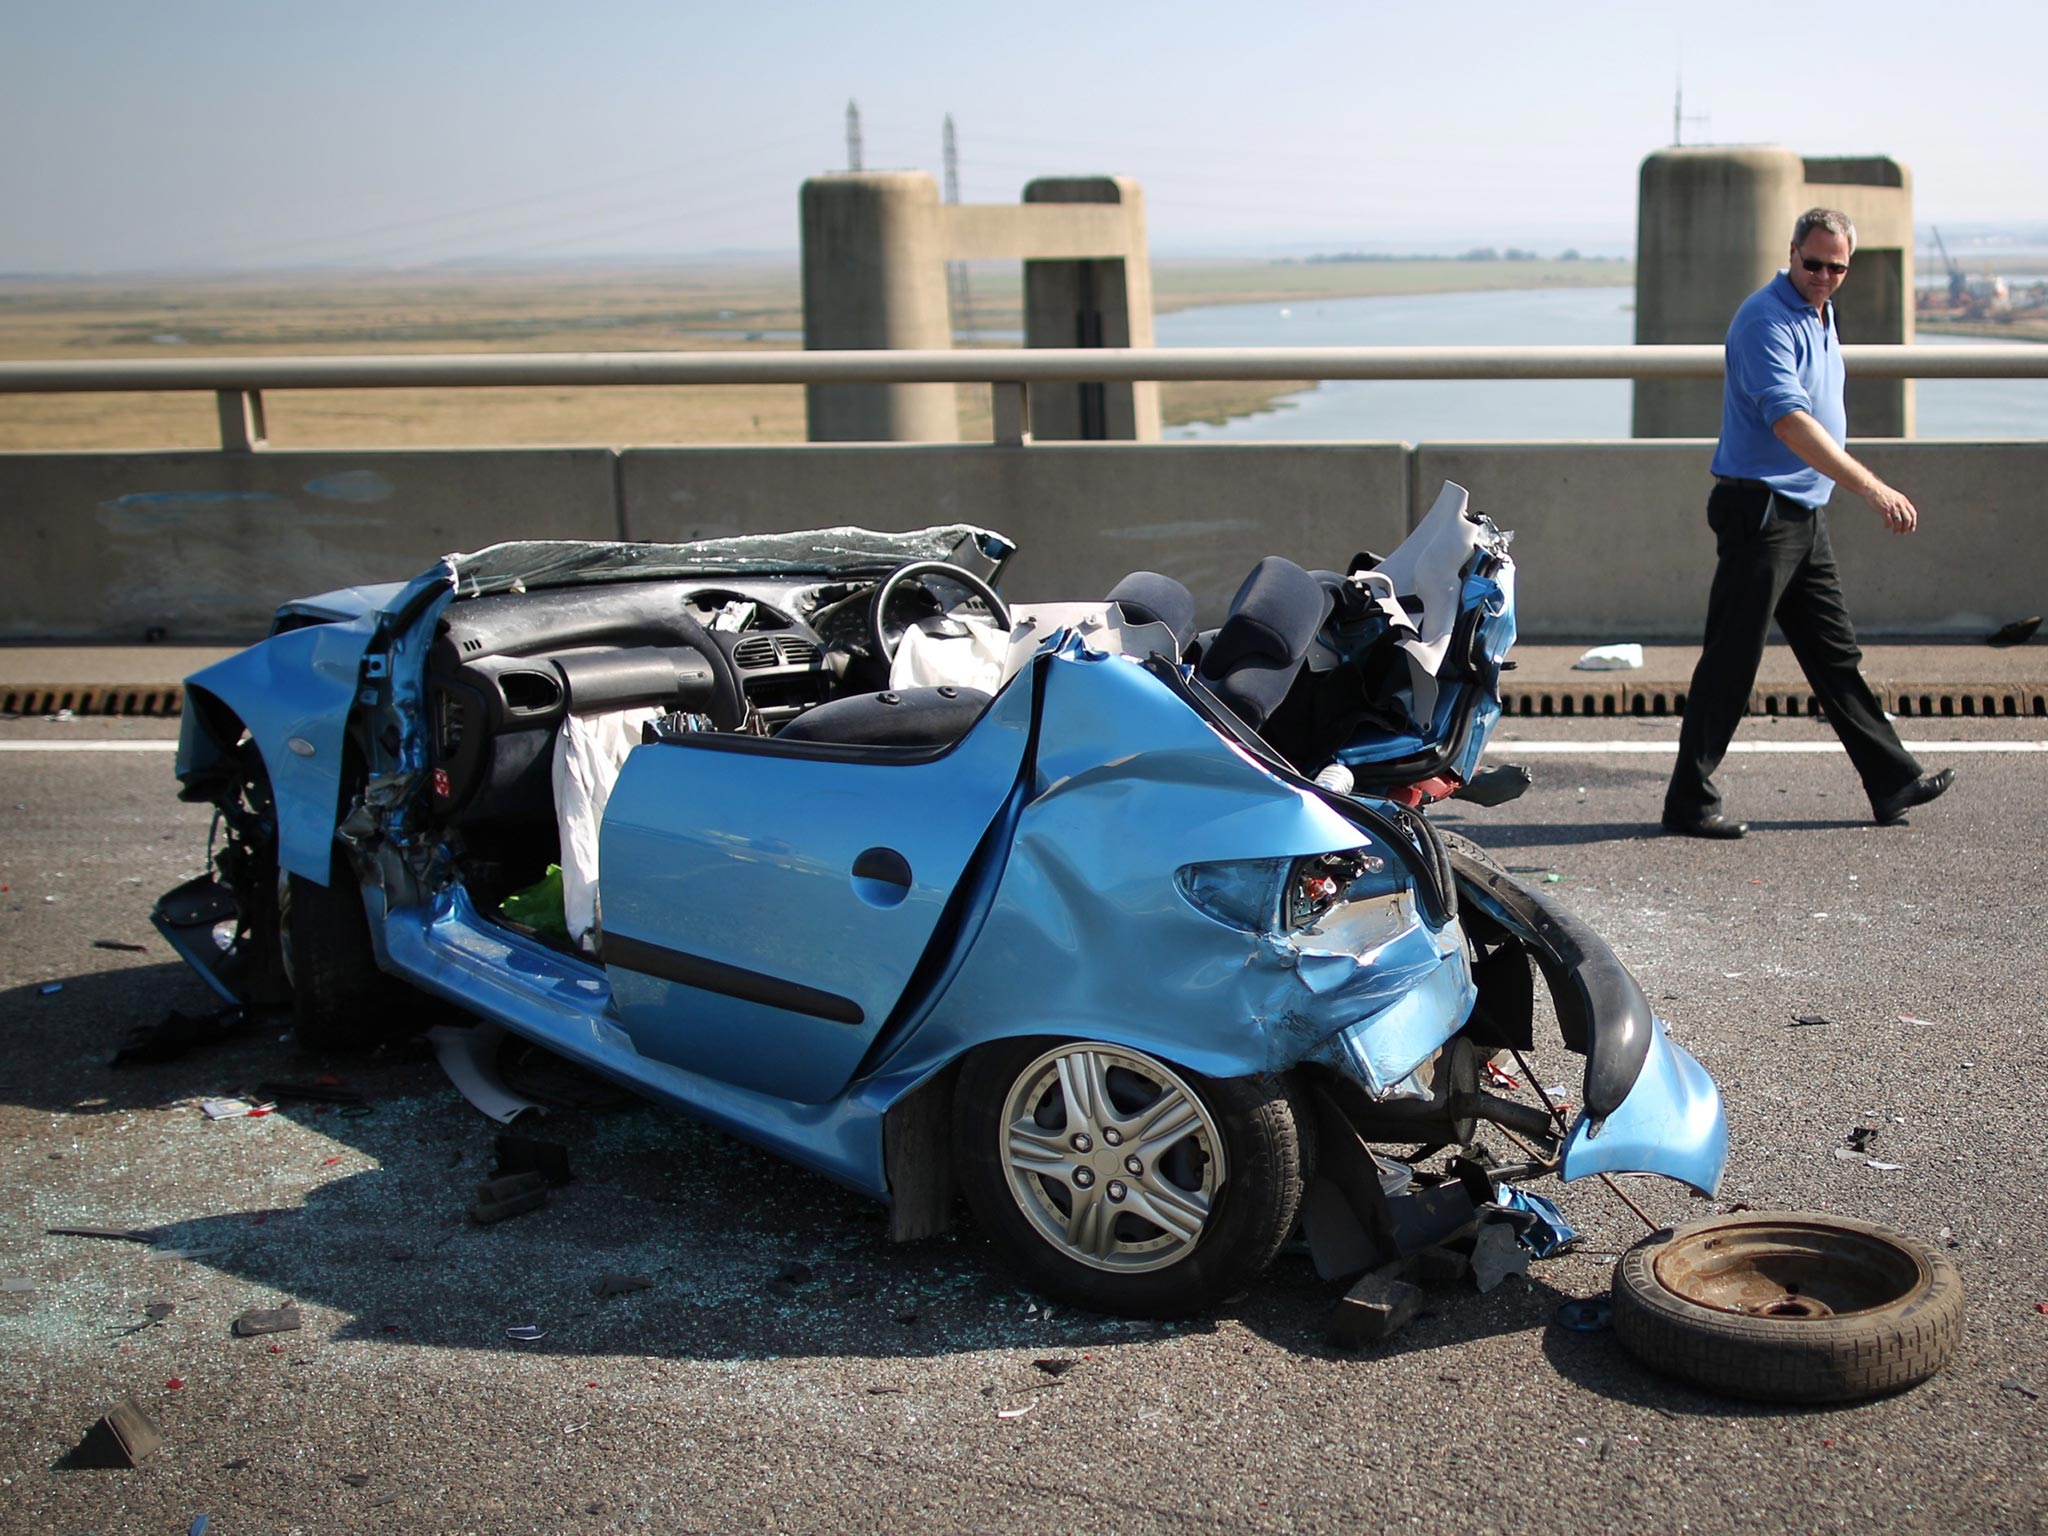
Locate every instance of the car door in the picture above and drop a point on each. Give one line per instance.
(764, 906)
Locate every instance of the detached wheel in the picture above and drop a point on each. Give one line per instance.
(340, 1000)
(1115, 1182)
(1788, 1306)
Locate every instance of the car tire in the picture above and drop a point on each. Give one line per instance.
(1225, 1172)
(1788, 1306)
(340, 1000)
(249, 866)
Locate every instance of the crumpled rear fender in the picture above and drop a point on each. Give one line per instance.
(1088, 936)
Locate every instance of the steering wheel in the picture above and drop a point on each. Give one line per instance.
(885, 640)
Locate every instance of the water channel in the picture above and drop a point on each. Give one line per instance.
(1436, 411)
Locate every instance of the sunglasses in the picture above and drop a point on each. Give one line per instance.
(1817, 266)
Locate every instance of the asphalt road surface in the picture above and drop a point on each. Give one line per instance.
(892, 1388)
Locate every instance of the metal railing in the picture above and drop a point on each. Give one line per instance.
(238, 383)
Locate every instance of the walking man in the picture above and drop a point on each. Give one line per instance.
(1780, 456)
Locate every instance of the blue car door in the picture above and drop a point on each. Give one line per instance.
(764, 906)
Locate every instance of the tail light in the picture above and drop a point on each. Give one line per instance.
(1276, 895)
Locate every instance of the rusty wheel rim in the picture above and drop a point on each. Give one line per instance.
(1790, 1271)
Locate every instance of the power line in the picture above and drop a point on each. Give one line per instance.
(558, 196)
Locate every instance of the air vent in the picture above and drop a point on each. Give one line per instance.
(471, 646)
(754, 652)
(796, 652)
(529, 693)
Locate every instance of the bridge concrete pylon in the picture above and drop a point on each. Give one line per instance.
(1715, 224)
(875, 249)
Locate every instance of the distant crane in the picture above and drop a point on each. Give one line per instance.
(852, 134)
(1974, 297)
(1958, 285)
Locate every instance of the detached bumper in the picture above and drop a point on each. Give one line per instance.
(1670, 1123)
(187, 918)
(1648, 1105)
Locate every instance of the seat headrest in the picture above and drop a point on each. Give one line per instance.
(1253, 660)
(1147, 597)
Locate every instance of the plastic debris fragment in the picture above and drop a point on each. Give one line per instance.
(526, 1333)
(1592, 1315)
(2018, 632)
(527, 1154)
(1497, 1253)
(122, 1437)
(1626, 657)
(262, 1320)
(470, 1058)
(513, 1195)
(1547, 1233)
(232, 1109)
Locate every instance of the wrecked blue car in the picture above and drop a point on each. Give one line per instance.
(1135, 934)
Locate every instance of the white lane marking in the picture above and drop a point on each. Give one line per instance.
(1497, 748)
(1667, 748)
(168, 744)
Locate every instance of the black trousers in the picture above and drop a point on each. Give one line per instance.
(1783, 567)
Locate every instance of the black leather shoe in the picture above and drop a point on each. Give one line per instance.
(1714, 826)
(1892, 808)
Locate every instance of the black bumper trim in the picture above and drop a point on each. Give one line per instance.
(1600, 1009)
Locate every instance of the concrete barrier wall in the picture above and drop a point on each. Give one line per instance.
(1082, 514)
(203, 546)
(1611, 537)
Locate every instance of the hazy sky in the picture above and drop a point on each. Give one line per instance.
(150, 134)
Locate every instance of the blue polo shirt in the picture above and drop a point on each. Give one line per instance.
(1782, 357)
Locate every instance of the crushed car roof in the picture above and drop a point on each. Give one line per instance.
(528, 563)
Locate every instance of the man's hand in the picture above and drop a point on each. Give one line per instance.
(1809, 439)
(1898, 513)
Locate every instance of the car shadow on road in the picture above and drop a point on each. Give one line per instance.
(672, 1239)
(1505, 841)
(1597, 1362)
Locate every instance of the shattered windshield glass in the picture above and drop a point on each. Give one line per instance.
(528, 563)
